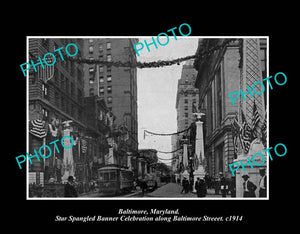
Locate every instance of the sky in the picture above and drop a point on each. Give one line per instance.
(157, 88)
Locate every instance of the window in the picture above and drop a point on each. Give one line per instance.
(186, 101)
(100, 68)
(100, 47)
(101, 79)
(101, 57)
(108, 46)
(108, 68)
(45, 113)
(91, 40)
(109, 99)
(91, 70)
(186, 114)
(185, 107)
(108, 89)
(108, 58)
(112, 176)
(91, 81)
(45, 91)
(108, 78)
(91, 49)
(101, 90)
(91, 91)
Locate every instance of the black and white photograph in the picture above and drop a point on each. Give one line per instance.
(163, 117)
(114, 120)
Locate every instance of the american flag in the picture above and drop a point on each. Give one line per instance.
(255, 120)
(246, 134)
(37, 128)
(47, 72)
(236, 132)
(264, 131)
(83, 143)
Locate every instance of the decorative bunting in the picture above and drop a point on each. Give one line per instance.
(37, 128)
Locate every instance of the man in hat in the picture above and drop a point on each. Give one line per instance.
(200, 187)
(70, 190)
(249, 187)
(223, 184)
(262, 183)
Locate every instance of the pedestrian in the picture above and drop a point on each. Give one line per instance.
(143, 187)
(262, 183)
(232, 187)
(223, 185)
(200, 187)
(70, 190)
(191, 182)
(248, 186)
(187, 186)
(217, 185)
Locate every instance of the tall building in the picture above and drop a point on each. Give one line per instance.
(220, 73)
(57, 107)
(117, 86)
(187, 96)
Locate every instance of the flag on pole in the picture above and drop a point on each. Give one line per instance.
(264, 131)
(83, 143)
(236, 133)
(255, 121)
(246, 134)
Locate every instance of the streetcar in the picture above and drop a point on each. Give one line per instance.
(115, 180)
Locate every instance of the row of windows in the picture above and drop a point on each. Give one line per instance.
(101, 90)
(100, 46)
(101, 69)
(101, 80)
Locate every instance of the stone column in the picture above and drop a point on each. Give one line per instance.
(199, 148)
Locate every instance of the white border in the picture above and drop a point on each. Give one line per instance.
(140, 198)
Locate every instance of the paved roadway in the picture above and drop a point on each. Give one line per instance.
(167, 190)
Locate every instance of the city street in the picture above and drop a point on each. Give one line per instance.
(168, 190)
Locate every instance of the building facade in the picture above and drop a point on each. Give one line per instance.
(220, 73)
(57, 107)
(117, 86)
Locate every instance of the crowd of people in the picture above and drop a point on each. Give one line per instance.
(225, 186)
